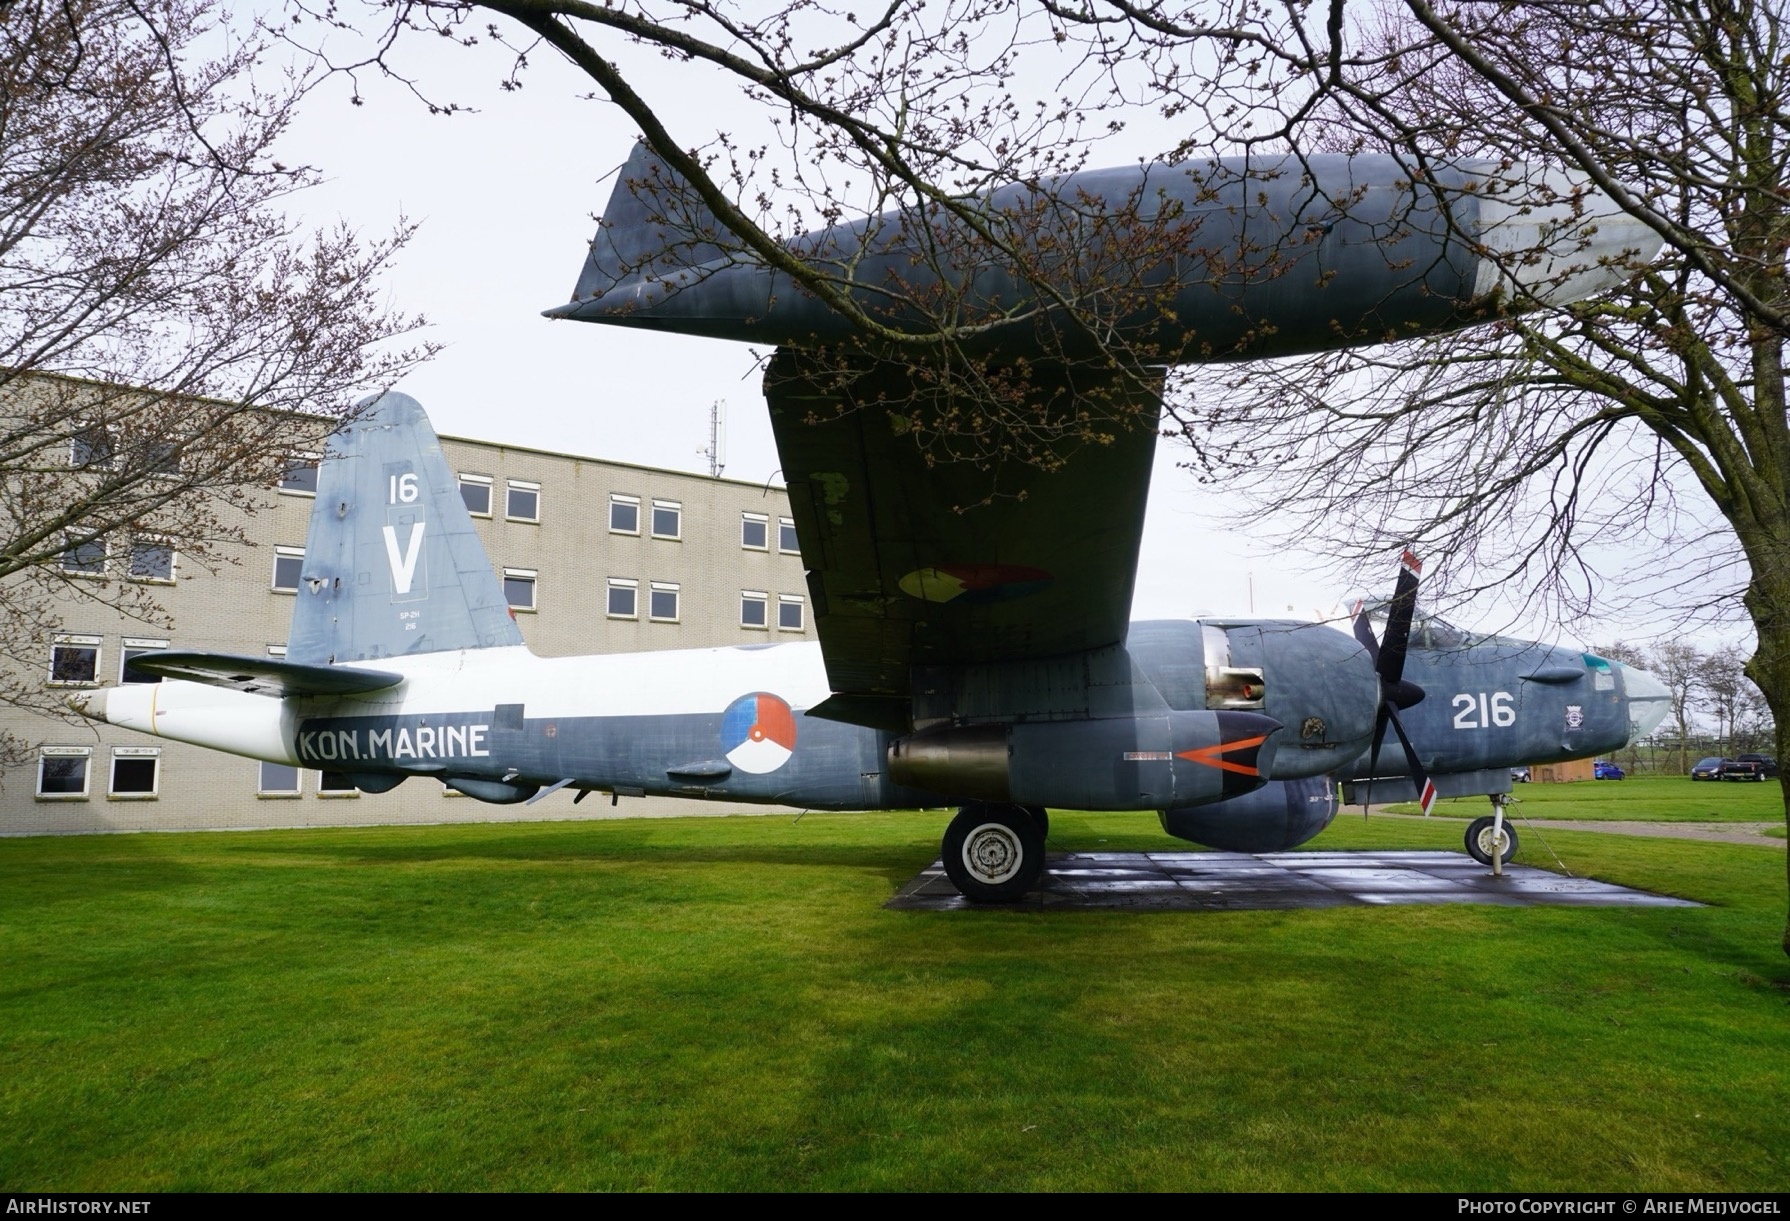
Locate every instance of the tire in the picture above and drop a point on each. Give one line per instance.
(1479, 840)
(1041, 816)
(993, 853)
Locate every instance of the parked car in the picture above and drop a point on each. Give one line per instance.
(1749, 767)
(1602, 769)
(1710, 768)
(1519, 775)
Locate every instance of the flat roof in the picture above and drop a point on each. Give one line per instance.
(632, 466)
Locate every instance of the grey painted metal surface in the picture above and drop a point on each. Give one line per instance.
(1210, 259)
(393, 565)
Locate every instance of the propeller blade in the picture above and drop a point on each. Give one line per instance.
(1426, 788)
(1364, 632)
(1391, 662)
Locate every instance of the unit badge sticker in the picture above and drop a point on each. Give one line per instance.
(1575, 715)
(758, 733)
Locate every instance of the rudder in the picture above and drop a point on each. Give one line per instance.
(393, 565)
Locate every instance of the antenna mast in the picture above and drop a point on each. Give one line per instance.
(716, 453)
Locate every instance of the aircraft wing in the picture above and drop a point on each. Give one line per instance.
(265, 675)
(916, 560)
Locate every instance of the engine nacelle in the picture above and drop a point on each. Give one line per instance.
(1281, 814)
(1116, 763)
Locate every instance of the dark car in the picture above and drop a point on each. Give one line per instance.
(1709, 769)
(1749, 767)
(1602, 769)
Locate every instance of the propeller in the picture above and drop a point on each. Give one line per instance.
(1388, 656)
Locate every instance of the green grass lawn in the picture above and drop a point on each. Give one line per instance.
(724, 1004)
(1647, 798)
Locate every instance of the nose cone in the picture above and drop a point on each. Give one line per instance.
(1551, 237)
(1648, 701)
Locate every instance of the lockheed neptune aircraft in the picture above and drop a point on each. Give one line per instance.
(980, 658)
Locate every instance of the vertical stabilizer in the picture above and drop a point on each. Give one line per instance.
(393, 565)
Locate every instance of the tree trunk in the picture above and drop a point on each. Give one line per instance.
(1768, 596)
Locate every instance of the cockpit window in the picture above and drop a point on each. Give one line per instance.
(1427, 631)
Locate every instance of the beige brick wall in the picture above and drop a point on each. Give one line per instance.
(235, 610)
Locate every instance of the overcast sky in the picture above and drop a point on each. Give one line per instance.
(506, 199)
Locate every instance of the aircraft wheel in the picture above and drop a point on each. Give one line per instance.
(1480, 843)
(1041, 816)
(993, 853)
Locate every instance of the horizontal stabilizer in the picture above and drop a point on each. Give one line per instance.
(265, 675)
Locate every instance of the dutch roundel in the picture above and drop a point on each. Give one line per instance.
(758, 733)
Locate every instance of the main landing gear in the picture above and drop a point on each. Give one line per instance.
(1491, 840)
(994, 853)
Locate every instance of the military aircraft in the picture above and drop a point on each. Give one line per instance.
(980, 658)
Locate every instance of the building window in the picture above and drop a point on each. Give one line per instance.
(335, 784)
(62, 773)
(277, 780)
(624, 598)
(475, 493)
(300, 476)
(276, 650)
(523, 502)
(753, 610)
(91, 449)
(668, 519)
(624, 514)
(161, 457)
(86, 559)
(790, 614)
(519, 588)
(786, 536)
(133, 649)
(74, 660)
(136, 772)
(662, 603)
(755, 531)
(152, 561)
(288, 566)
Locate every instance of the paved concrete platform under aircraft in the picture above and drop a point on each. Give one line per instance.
(1236, 881)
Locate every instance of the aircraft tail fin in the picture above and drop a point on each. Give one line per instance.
(656, 224)
(392, 563)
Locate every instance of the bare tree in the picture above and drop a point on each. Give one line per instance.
(168, 341)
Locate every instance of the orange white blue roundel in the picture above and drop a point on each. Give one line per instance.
(758, 733)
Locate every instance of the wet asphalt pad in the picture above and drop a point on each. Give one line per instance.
(1284, 881)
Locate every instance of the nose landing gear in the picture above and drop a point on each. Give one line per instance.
(1490, 839)
(994, 853)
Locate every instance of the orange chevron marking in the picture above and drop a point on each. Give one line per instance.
(1208, 755)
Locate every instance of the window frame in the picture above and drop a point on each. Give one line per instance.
(511, 486)
(111, 448)
(763, 522)
(669, 506)
(333, 794)
(466, 479)
(621, 499)
(84, 753)
(130, 571)
(761, 599)
(135, 752)
(266, 794)
(675, 589)
(530, 575)
(801, 605)
(312, 462)
(283, 552)
(787, 523)
(77, 640)
(138, 646)
(98, 573)
(622, 583)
